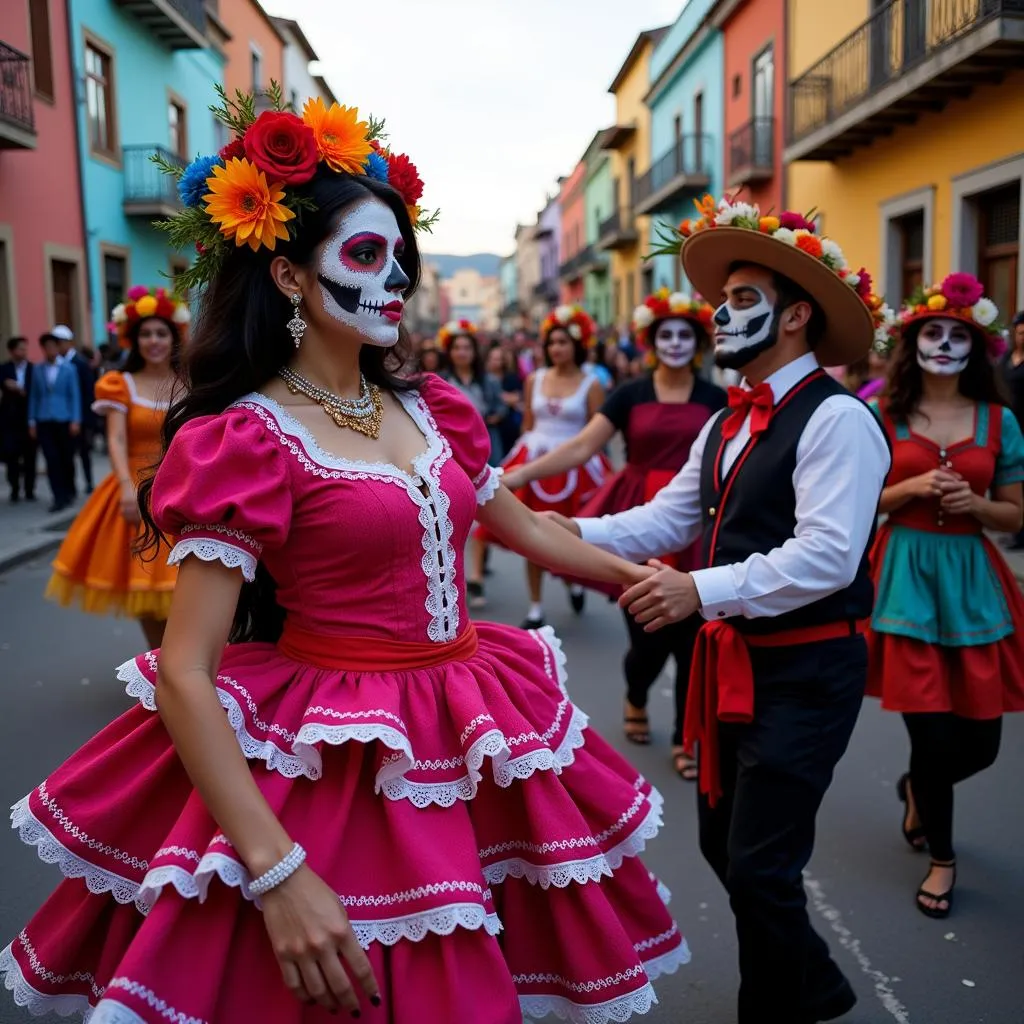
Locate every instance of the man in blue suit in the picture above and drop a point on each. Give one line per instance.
(55, 419)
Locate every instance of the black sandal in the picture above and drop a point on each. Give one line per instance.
(686, 767)
(640, 736)
(915, 837)
(936, 913)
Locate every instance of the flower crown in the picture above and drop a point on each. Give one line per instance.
(141, 303)
(960, 297)
(575, 320)
(453, 329)
(664, 304)
(249, 192)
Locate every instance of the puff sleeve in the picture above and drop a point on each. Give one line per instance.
(1010, 460)
(463, 427)
(222, 492)
(112, 394)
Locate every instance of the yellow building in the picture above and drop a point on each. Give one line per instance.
(906, 129)
(623, 234)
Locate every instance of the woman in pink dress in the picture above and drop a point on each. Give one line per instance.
(363, 802)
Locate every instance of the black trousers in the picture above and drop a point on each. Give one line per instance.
(83, 449)
(760, 835)
(647, 655)
(59, 450)
(946, 749)
(20, 453)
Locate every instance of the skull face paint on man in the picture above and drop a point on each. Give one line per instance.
(943, 346)
(361, 280)
(675, 342)
(745, 325)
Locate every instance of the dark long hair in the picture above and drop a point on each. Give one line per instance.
(134, 363)
(477, 366)
(978, 380)
(579, 350)
(239, 344)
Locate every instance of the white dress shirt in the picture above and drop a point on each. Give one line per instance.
(20, 373)
(50, 371)
(842, 460)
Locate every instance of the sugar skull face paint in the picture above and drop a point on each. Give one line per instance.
(943, 346)
(745, 325)
(675, 342)
(361, 280)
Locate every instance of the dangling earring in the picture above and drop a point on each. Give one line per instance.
(296, 326)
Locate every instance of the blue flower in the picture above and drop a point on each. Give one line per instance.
(376, 167)
(192, 184)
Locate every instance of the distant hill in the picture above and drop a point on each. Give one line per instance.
(485, 263)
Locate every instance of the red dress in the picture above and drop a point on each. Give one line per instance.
(947, 632)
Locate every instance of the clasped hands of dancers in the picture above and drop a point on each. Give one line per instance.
(336, 791)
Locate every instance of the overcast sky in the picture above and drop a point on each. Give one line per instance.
(492, 99)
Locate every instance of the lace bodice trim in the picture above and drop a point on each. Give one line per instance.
(439, 556)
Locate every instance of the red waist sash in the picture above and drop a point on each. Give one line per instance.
(722, 685)
(372, 654)
(654, 481)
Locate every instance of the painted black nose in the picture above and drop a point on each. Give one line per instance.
(397, 280)
(946, 347)
(722, 316)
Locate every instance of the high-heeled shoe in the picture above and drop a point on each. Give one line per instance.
(915, 837)
(936, 913)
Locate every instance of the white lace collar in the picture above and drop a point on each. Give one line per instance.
(414, 405)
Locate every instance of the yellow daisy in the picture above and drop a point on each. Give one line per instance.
(245, 207)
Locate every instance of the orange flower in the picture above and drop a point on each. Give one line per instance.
(245, 206)
(706, 206)
(768, 224)
(685, 228)
(810, 244)
(340, 135)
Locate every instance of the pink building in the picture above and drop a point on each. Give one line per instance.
(42, 252)
(574, 234)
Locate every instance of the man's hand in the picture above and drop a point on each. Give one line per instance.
(666, 597)
(563, 521)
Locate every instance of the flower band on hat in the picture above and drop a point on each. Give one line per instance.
(454, 329)
(574, 320)
(664, 305)
(248, 193)
(141, 303)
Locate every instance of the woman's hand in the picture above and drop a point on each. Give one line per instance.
(311, 935)
(933, 484)
(130, 502)
(958, 499)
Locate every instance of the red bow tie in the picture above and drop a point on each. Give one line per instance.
(755, 402)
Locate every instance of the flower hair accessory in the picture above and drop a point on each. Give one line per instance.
(960, 297)
(574, 320)
(453, 329)
(250, 193)
(141, 303)
(664, 304)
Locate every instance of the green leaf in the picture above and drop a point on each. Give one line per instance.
(427, 221)
(376, 132)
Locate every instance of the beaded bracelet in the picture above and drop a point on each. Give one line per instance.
(283, 869)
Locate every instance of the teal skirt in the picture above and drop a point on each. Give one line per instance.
(940, 588)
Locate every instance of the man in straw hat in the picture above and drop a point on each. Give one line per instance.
(784, 488)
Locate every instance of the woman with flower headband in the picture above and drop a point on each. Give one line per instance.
(96, 566)
(343, 807)
(558, 402)
(947, 634)
(659, 415)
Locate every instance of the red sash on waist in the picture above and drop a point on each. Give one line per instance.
(722, 685)
(654, 481)
(372, 654)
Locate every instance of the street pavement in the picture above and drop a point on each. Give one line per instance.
(58, 688)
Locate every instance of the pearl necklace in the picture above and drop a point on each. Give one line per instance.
(363, 414)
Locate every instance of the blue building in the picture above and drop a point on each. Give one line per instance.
(144, 73)
(687, 71)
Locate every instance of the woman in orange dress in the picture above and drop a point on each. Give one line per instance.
(95, 567)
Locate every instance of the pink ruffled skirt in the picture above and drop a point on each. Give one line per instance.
(482, 840)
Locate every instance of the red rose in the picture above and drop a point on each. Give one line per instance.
(234, 150)
(283, 147)
(405, 179)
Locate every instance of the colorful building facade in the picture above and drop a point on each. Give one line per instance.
(549, 242)
(623, 234)
(256, 47)
(687, 125)
(573, 211)
(754, 41)
(598, 203)
(42, 238)
(904, 128)
(148, 80)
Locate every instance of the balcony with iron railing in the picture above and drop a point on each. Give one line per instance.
(684, 169)
(576, 266)
(910, 57)
(148, 192)
(178, 24)
(17, 117)
(752, 152)
(618, 231)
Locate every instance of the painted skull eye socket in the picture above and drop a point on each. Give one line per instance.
(364, 253)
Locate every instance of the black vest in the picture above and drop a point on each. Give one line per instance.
(759, 510)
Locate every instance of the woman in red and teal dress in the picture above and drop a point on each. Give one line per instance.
(947, 635)
(659, 416)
